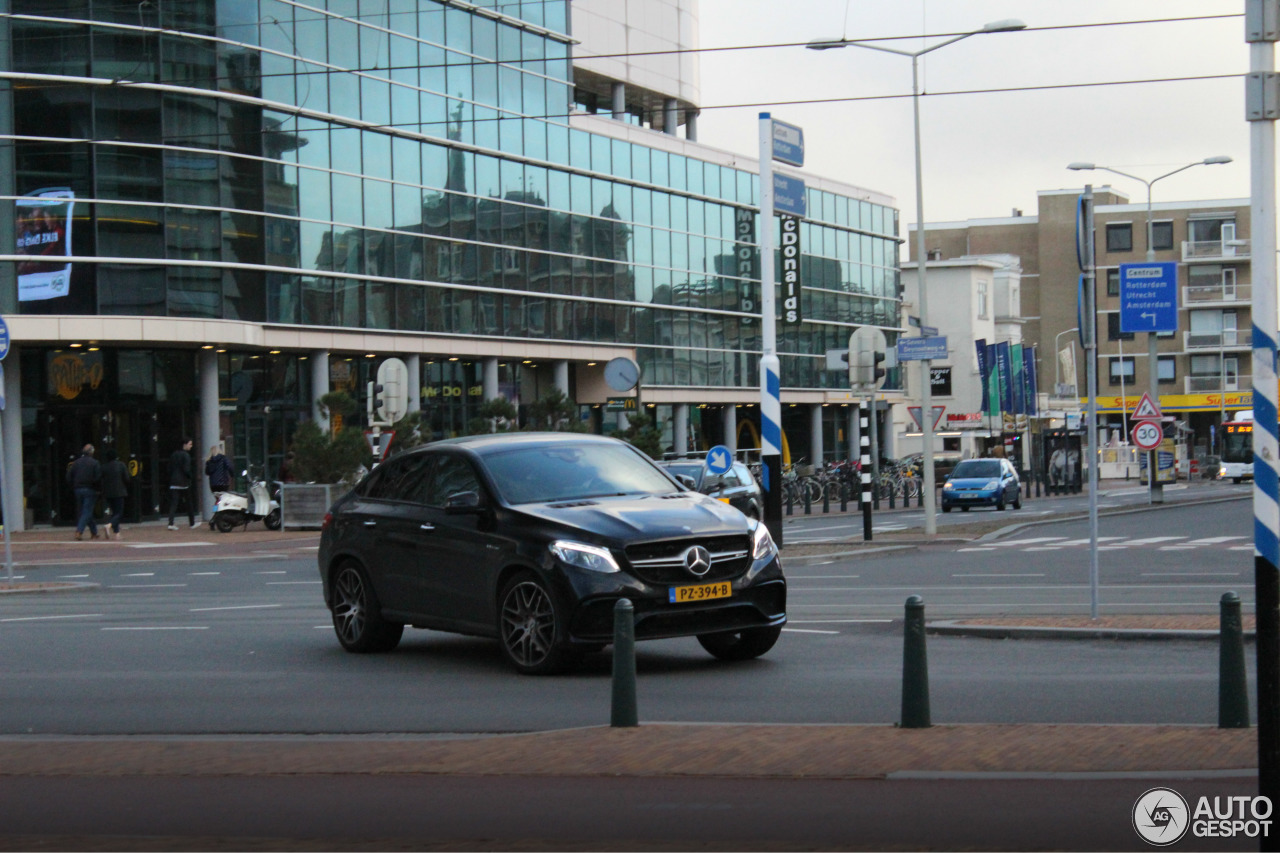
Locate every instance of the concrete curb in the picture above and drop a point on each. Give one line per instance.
(1027, 632)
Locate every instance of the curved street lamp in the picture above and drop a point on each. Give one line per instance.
(926, 390)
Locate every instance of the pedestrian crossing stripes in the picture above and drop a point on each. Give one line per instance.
(1117, 543)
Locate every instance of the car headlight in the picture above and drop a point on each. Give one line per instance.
(948, 486)
(994, 484)
(762, 543)
(583, 556)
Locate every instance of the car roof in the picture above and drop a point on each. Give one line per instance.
(499, 441)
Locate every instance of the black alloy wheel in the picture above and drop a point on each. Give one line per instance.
(741, 645)
(529, 627)
(357, 619)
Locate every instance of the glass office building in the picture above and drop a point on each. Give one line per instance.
(262, 200)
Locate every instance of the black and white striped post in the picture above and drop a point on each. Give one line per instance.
(864, 438)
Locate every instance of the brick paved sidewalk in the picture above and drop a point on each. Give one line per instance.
(661, 750)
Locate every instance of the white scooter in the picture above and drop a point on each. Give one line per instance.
(236, 510)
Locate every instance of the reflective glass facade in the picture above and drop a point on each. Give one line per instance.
(408, 166)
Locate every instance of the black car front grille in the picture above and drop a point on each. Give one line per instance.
(664, 562)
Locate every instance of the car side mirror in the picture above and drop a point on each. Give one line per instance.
(687, 481)
(463, 503)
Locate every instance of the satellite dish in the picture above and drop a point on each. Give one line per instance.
(621, 374)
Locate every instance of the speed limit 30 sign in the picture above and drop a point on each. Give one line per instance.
(1147, 435)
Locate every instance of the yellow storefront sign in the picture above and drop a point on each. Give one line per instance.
(1169, 403)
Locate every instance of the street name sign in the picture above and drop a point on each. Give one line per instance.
(917, 349)
(788, 143)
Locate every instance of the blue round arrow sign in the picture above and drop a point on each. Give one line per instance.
(719, 460)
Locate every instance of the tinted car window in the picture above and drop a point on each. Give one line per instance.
(452, 475)
(692, 470)
(543, 474)
(399, 478)
(977, 468)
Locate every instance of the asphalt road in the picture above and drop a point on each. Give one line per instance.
(244, 645)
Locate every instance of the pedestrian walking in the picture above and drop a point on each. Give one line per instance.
(180, 476)
(85, 476)
(218, 469)
(115, 488)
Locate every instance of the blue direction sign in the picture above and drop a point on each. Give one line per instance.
(788, 195)
(4, 338)
(918, 349)
(719, 460)
(1149, 297)
(788, 143)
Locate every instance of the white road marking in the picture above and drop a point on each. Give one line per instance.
(163, 628)
(69, 577)
(1151, 540)
(167, 544)
(1000, 575)
(1215, 540)
(290, 583)
(143, 585)
(808, 631)
(239, 607)
(1190, 574)
(1014, 543)
(271, 573)
(978, 550)
(203, 574)
(140, 575)
(42, 618)
(832, 621)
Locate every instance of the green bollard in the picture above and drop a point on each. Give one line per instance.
(1233, 686)
(915, 669)
(624, 666)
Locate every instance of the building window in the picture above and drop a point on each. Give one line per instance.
(1113, 282)
(1120, 237)
(1167, 366)
(982, 299)
(1118, 368)
(1113, 328)
(1162, 235)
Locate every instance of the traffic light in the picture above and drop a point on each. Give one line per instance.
(374, 403)
(866, 354)
(876, 370)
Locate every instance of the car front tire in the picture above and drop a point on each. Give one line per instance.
(357, 618)
(529, 627)
(741, 645)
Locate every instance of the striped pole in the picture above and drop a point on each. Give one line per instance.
(1260, 110)
(770, 366)
(864, 433)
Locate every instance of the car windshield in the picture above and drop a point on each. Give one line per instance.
(975, 468)
(574, 472)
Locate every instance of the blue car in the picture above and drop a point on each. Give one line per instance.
(982, 482)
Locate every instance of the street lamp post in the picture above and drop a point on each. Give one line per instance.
(926, 389)
(1157, 491)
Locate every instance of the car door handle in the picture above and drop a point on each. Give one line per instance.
(425, 526)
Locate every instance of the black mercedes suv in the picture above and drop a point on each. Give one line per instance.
(532, 538)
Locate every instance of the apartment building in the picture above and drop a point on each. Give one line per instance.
(1203, 371)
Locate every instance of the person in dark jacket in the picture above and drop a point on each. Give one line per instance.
(218, 469)
(85, 475)
(180, 474)
(115, 488)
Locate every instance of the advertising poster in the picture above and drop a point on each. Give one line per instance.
(42, 222)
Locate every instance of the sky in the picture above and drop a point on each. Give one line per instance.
(989, 152)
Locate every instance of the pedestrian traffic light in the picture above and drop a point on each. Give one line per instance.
(374, 403)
